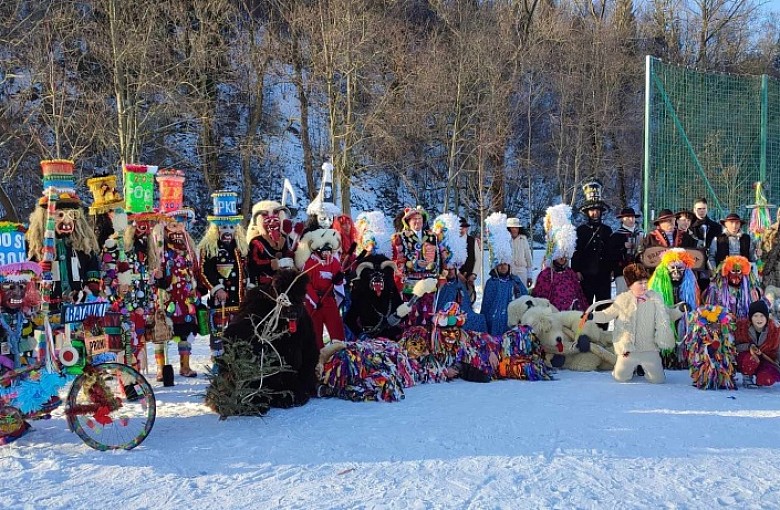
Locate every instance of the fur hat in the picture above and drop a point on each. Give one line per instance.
(447, 229)
(634, 273)
(498, 239)
(759, 306)
(561, 234)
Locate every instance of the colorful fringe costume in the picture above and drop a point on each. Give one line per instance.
(709, 343)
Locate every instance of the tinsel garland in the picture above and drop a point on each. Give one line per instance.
(31, 391)
(376, 369)
(710, 347)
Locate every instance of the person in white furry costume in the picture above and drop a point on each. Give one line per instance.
(642, 327)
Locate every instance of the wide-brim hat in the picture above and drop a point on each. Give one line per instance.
(732, 217)
(628, 212)
(464, 222)
(513, 223)
(594, 204)
(664, 215)
(686, 212)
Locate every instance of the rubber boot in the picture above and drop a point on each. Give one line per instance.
(184, 360)
(159, 358)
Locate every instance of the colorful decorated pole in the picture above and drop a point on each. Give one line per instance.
(49, 255)
(760, 221)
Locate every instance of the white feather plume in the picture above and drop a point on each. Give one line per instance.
(561, 234)
(447, 229)
(373, 233)
(498, 238)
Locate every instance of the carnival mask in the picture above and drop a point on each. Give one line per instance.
(65, 221)
(324, 220)
(175, 235)
(735, 277)
(142, 229)
(325, 253)
(377, 282)
(226, 233)
(272, 224)
(18, 294)
(677, 272)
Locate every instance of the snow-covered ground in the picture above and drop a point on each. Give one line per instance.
(581, 441)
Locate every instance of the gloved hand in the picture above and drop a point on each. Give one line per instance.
(287, 226)
(298, 228)
(558, 360)
(683, 307)
(583, 343)
(338, 278)
(590, 316)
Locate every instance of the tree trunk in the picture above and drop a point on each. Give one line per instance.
(303, 100)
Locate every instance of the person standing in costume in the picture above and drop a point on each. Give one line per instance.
(174, 262)
(732, 241)
(666, 234)
(591, 259)
(416, 253)
(704, 229)
(19, 301)
(316, 257)
(223, 251)
(757, 340)
(269, 247)
(734, 286)
(674, 280)
(75, 267)
(473, 250)
(453, 255)
(624, 244)
(502, 287)
(522, 263)
(557, 282)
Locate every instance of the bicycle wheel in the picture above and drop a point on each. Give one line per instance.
(111, 406)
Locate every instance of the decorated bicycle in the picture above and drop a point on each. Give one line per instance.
(109, 405)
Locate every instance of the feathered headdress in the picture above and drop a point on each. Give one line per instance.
(499, 240)
(447, 229)
(373, 233)
(561, 234)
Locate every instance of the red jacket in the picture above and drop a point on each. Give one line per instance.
(322, 278)
(770, 345)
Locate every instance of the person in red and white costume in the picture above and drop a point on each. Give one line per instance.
(316, 256)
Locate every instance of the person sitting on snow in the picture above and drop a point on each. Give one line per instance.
(758, 339)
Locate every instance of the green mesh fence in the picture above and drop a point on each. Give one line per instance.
(710, 135)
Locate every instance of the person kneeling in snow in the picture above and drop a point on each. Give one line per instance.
(757, 340)
(642, 327)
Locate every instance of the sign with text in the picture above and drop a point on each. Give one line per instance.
(12, 247)
(651, 257)
(79, 312)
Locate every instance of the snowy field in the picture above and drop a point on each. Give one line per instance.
(581, 441)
